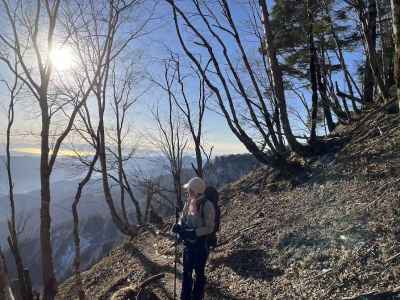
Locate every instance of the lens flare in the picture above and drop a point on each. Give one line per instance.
(61, 58)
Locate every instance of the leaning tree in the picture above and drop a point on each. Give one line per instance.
(32, 38)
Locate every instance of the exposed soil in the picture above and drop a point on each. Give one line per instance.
(329, 230)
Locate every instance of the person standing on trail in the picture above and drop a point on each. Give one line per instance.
(196, 223)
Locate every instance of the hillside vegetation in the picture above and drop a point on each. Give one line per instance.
(326, 228)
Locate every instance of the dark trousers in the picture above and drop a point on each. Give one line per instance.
(194, 259)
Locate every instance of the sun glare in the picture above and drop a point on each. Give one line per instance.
(61, 58)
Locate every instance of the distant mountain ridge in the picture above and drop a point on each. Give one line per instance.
(323, 227)
(98, 233)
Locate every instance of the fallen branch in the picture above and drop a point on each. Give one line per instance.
(375, 294)
(380, 191)
(236, 235)
(362, 121)
(146, 283)
(382, 188)
(357, 296)
(321, 274)
(392, 258)
(250, 186)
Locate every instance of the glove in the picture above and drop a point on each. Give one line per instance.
(188, 234)
(177, 228)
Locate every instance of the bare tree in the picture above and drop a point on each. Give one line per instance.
(152, 191)
(159, 197)
(149, 191)
(192, 110)
(32, 37)
(195, 122)
(123, 100)
(39, 89)
(77, 271)
(172, 140)
(37, 74)
(99, 40)
(229, 85)
(91, 139)
(14, 90)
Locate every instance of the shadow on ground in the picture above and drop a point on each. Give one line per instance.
(249, 263)
(152, 268)
(214, 292)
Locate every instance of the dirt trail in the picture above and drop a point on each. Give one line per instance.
(162, 263)
(157, 256)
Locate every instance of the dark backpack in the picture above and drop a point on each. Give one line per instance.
(211, 194)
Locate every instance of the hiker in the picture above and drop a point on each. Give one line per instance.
(196, 224)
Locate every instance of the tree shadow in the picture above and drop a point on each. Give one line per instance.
(298, 239)
(214, 292)
(152, 268)
(249, 263)
(149, 266)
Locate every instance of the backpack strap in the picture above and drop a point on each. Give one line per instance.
(201, 207)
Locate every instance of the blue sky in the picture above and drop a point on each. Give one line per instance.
(153, 48)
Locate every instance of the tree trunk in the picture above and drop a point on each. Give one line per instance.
(313, 80)
(368, 83)
(12, 227)
(49, 279)
(277, 82)
(77, 241)
(324, 97)
(387, 43)
(120, 164)
(149, 193)
(229, 111)
(330, 88)
(343, 65)
(369, 28)
(13, 244)
(121, 225)
(396, 32)
(135, 202)
(5, 289)
(370, 45)
(199, 159)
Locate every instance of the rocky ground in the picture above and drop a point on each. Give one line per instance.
(328, 228)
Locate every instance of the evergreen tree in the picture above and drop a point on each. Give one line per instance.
(303, 58)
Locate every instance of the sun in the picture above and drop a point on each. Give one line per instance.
(62, 58)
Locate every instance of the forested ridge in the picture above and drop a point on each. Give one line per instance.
(328, 228)
(310, 89)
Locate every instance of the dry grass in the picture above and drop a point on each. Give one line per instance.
(329, 231)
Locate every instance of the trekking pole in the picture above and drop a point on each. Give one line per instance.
(175, 264)
(176, 249)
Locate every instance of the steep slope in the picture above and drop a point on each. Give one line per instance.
(328, 228)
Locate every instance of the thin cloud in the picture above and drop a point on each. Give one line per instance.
(37, 151)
